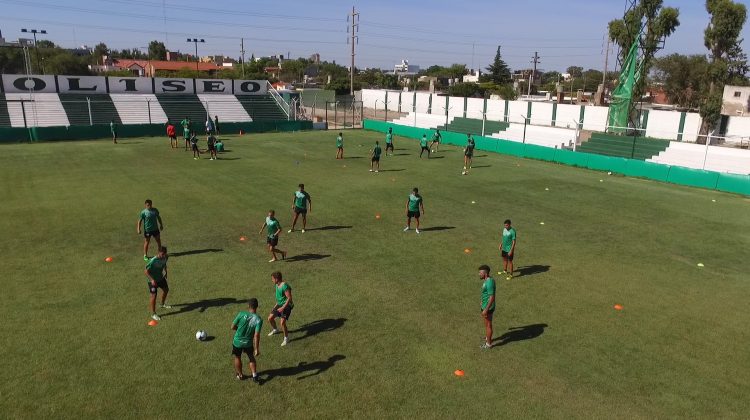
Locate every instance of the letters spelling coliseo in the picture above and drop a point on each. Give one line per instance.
(144, 85)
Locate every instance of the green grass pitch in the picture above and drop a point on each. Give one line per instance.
(382, 317)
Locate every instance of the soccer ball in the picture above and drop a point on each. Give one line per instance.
(200, 335)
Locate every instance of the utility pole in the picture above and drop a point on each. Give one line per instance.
(535, 60)
(242, 51)
(601, 92)
(354, 39)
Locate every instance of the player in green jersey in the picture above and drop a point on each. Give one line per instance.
(156, 271)
(436, 138)
(340, 146)
(414, 208)
(508, 249)
(301, 204)
(246, 327)
(487, 303)
(423, 145)
(468, 154)
(150, 219)
(272, 235)
(283, 307)
(186, 131)
(113, 128)
(389, 141)
(375, 157)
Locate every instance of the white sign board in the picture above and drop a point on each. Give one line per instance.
(130, 84)
(82, 84)
(16, 83)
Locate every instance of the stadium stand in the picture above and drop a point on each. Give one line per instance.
(261, 108)
(4, 116)
(622, 146)
(227, 107)
(555, 137)
(177, 107)
(77, 108)
(139, 109)
(474, 126)
(719, 159)
(45, 110)
(427, 121)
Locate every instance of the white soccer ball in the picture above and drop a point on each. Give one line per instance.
(201, 335)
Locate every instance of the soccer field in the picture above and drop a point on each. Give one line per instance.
(382, 317)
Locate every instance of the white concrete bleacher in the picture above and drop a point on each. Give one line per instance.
(40, 110)
(553, 137)
(227, 107)
(716, 158)
(427, 121)
(138, 109)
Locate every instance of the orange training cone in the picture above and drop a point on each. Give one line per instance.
(618, 307)
(377, 216)
(467, 250)
(458, 372)
(243, 239)
(108, 259)
(152, 323)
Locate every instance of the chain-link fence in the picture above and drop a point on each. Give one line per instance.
(343, 114)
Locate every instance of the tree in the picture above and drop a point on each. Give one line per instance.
(575, 71)
(498, 71)
(684, 78)
(721, 37)
(11, 61)
(100, 50)
(738, 67)
(658, 23)
(465, 90)
(157, 50)
(455, 71)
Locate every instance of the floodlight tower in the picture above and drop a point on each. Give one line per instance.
(196, 41)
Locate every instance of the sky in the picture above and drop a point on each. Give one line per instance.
(564, 33)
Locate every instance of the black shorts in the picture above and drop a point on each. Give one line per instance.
(507, 256)
(287, 312)
(272, 240)
(469, 155)
(195, 148)
(436, 141)
(173, 137)
(425, 148)
(160, 284)
(389, 146)
(376, 158)
(339, 148)
(300, 210)
(211, 148)
(237, 352)
(489, 313)
(414, 214)
(153, 233)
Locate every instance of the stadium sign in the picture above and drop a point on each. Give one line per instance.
(14, 83)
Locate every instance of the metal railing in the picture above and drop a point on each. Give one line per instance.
(279, 100)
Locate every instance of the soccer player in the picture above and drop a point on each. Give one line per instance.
(488, 304)
(216, 125)
(300, 207)
(389, 141)
(468, 154)
(340, 146)
(272, 237)
(212, 146)
(375, 157)
(508, 249)
(423, 144)
(283, 307)
(194, 146)
(209, 125)
(219, 146)
(246, 326)
(113, 128)
(414, 208)
(156, 271)
(186, 131)
(148, 218)
(436, 141)
(172, 135)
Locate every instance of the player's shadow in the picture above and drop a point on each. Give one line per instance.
(130, 142)
(481, 166)
(437, 157)
(303, 368)
(401, 154)
(332, 227)
(437, 228)
(204, 304)
(392, 170)
(527, 332)
(354, 157)
(307, 257)
(226, 158)
(316, 327)
(195, 252)
(209, 338)
(530, 270)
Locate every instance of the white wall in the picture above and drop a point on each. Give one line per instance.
(407, 101)
(423, 102)
(567, 115)
(495, 110)
(369, 96)
(541, 113)
(692, 127)
(456, 106)
(517, 110)
(474, 108)
(595, 118)
(663, 124)
(738, 127)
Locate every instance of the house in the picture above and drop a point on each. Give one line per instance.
(148, 68)
(736, 101)
(472, 77)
